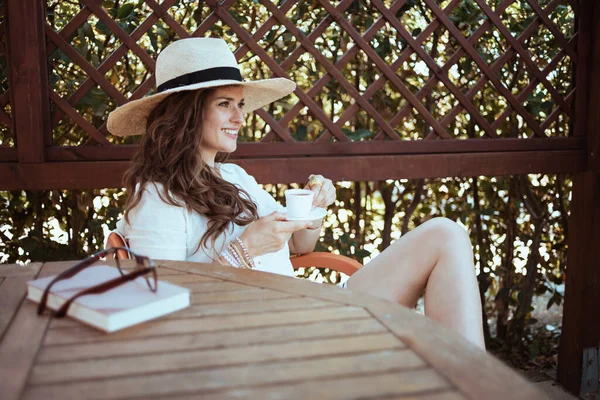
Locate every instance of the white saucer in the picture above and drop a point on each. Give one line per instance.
(315, 213)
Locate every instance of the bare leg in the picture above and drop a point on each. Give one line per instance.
(436, 257)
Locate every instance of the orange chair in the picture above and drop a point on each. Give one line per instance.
(334, 262)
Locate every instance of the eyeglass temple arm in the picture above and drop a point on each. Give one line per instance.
(101, 288)
(68, 274)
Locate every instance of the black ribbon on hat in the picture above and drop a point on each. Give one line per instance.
(206, 75)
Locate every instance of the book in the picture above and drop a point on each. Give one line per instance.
(126, 305)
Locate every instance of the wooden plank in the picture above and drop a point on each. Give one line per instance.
(256, 374)
(165, 326)
(256, 306)
(20, 343)
(208, 340)
(386, 386)
(437, 395)
(217, 286)
(28, 77)
(239, 295)
(13, 290)
(84, 175)
(286, 304)
(375, 147)
(20, 270)
(581, 325)
(142, 364)
(183, 279)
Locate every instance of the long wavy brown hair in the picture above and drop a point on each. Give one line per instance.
(169, 153)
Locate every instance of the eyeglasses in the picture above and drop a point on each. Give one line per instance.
(144, 266)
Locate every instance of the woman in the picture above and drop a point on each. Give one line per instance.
(185, 205)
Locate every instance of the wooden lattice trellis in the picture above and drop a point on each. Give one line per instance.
(422, 122)
(384, 147)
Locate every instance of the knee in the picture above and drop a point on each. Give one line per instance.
(446, 232)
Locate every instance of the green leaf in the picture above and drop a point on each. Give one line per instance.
(160, 31)
(301, 133)
(125, 11)
(362, 253)
(153, 40)
(101, 26)
(358, 134)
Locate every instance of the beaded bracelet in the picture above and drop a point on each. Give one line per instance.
(247, 257)
(238, 255)
(229, 259)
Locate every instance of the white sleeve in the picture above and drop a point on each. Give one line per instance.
(263, 199)
(157, 229)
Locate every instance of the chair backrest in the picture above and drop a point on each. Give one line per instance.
(334, 262)
(116, 240)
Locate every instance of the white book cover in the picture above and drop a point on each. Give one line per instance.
(126, 305)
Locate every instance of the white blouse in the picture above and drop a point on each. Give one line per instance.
(167, 232)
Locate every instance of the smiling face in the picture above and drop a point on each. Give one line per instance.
(222, 119)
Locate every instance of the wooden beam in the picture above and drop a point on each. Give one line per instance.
(581, 325)
(580, 338)
(312, 149)
(8, 154)
(28, 77)
(365, 168)
(108, 174)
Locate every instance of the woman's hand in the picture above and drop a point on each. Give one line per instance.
(270, 233)
(324, 190)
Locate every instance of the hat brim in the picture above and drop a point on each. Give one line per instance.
(130, 119)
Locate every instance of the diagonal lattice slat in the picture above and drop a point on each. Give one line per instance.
(485, 68)
(228, 19)
(519, 49)
(497, 65)
(318, 86)
(439, 73)
(404, 56)
(543, 15)
(333, 71)
(387, 71)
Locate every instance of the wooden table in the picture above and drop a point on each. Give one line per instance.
(247, 335)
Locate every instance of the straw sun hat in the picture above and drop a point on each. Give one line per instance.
(191, 64)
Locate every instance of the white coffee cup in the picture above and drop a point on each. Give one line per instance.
(298, 202)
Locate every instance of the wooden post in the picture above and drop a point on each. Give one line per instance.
(578, 361)
(26, 53)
